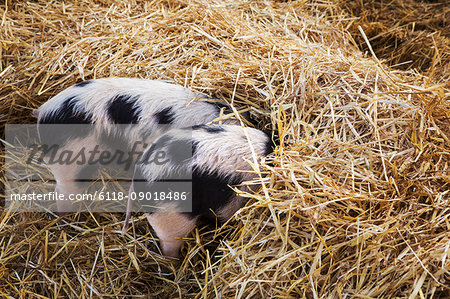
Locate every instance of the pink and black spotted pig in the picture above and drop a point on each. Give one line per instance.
(144, 104)
(220, 155)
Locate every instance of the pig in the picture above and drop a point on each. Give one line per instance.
(218, 161)
(145, 105)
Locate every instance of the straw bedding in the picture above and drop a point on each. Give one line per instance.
(354, 204)
(406, 33)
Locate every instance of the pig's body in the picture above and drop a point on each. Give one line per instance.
(219, 159)
(144, 104)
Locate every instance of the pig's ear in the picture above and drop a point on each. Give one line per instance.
(35, 113)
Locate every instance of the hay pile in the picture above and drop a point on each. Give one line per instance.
(356, 202)
(408, 34)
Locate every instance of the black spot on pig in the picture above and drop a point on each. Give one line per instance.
(210, 192)
(180, 150)
(165, 116)
(210, 128)
(67, 114)
(123, 109)
(174, 152)
(83, 83)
